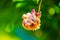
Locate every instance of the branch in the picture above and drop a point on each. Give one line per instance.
(39, 5)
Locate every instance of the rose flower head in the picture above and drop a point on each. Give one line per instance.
(31, 20)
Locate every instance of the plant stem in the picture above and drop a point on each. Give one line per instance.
(39, 5)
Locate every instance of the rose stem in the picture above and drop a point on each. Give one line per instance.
(39, 5)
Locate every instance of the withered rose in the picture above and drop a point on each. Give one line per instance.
(31, 21)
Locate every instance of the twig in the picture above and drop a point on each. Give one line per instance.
(39, 5)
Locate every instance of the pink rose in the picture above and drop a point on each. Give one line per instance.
(31, 21)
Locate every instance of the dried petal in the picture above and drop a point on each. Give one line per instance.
(31, 21)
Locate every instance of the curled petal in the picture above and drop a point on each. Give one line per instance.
(38, 15)
(33, 11)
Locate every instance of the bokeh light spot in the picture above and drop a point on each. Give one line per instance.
(59, 4)
(56, 9)
(51, 11)
(19, 5)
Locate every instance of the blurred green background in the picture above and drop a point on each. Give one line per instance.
(11, 12)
